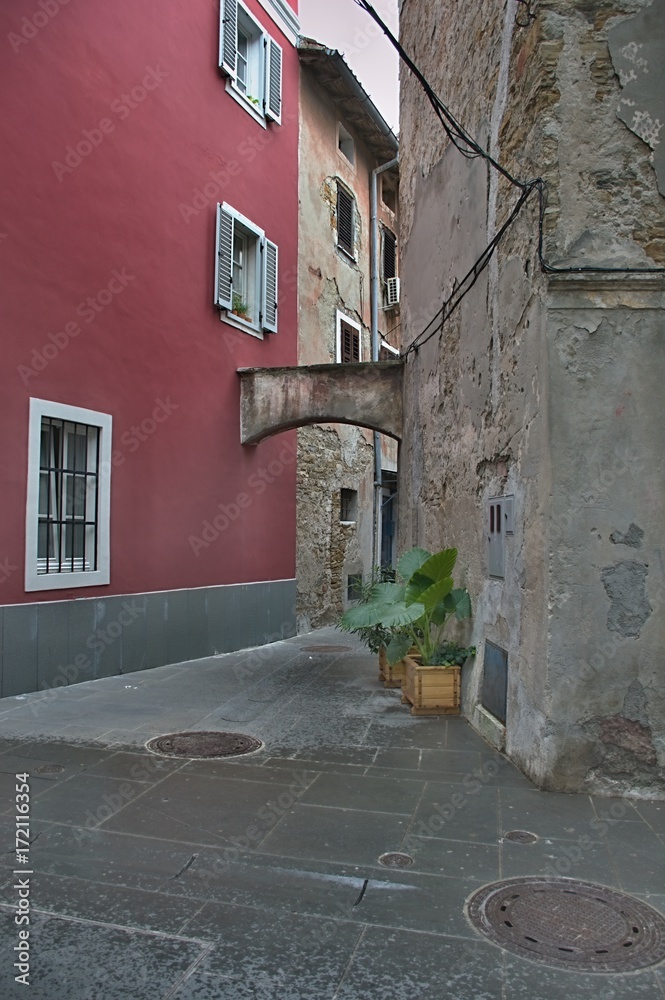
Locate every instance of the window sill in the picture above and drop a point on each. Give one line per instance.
(66, 580)
(345, 255)
(250, 108)
(240, 324)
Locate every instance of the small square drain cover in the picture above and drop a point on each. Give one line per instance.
(204, 745)
(396, 860)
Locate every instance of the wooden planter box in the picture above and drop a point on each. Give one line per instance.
(431, 690)
(392, 677)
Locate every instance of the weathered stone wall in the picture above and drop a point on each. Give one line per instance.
(329, 551)
(332, 456)
(540, 388)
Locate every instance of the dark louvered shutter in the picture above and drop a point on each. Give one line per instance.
(389, 255)
(345, 221)
(350, 343)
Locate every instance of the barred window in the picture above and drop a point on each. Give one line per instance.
(68, 497)
(69, 464)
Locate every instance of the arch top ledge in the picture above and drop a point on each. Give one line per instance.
(368, 394)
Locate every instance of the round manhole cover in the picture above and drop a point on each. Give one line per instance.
(204, 745)
(49, 769)
(521, 837)
(396, 860)
(326, 649)
(570, 924)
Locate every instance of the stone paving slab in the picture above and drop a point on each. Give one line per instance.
(260, 877)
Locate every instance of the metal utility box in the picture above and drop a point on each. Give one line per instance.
(500, 522)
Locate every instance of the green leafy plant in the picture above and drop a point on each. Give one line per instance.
(374, 636)
(239, 306)
(415, 610)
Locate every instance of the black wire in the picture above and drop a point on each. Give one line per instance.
(455, 132)
(461, 290)
(528, 15)
(472, 150)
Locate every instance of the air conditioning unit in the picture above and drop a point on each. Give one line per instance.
(392, 293)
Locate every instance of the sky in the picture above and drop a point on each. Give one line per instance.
(344, 26)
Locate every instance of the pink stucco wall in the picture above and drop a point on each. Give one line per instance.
(128, 222)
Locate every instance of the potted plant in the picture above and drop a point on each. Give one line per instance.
(240, 308)
(415, 612)
(377, 637)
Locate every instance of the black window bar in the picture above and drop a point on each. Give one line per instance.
(68, 497)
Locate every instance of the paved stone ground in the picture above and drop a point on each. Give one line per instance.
(155, 878)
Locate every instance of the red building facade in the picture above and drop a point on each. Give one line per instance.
(148, 249)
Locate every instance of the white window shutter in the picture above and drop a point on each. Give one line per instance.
(269, 306)
(228, 36)
(224, 259)
(273, 91)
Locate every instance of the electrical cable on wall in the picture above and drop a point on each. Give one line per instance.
(471, 149)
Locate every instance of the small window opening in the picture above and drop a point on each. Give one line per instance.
(354, 587)
(388, 196)
(346, 145)
(348, 511)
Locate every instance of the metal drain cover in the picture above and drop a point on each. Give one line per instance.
(326, 649)
(49, 769)
(521, 837)
(570, 924)
(205, 744)
(396, 860)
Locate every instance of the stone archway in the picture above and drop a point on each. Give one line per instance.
(277, 399)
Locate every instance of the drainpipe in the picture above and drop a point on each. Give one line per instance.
(374, 304)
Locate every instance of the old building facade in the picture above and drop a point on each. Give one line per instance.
(534, 427)
(344, 522)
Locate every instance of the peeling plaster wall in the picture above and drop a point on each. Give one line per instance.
(538, 388)
(606, 660)
(332, 456)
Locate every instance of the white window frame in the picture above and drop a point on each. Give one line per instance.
(356, 326)
(265, 64)
(64, 580)
(266, 275)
